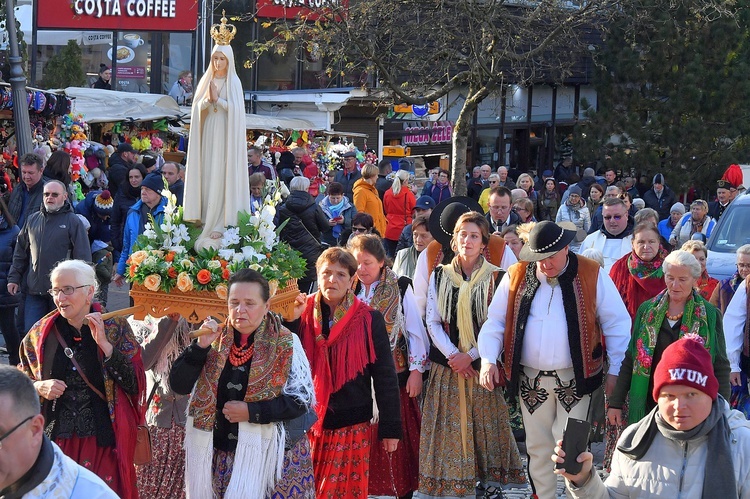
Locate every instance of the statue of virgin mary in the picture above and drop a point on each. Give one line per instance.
(216, 178)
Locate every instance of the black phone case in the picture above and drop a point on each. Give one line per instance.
(575, 440)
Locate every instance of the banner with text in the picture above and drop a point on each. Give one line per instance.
(141, 15)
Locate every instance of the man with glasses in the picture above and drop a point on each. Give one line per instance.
(30, 464)
(349, 175)
(614, 239)
(500, 214)
(53, 234)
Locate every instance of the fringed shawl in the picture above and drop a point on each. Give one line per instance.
(269, 369)
(472, 301)
(125, 411)
(342, 356)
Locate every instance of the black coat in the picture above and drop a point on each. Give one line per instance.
(8, 236)
(305, 223)
(663, 204)
(117, 173)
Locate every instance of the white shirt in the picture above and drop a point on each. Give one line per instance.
(415, 333)
(734, 324)
(439, 337)
(612, 249)
(545, 343)
(421, 276)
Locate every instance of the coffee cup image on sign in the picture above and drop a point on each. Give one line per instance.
(132, 40)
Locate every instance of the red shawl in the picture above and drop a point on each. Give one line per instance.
(341, 357)
(634, 290)
(126, 411)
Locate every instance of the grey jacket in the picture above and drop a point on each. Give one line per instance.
(46, 239)
(166, 406)
(657, 474)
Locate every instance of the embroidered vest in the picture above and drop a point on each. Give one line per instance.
(586, 344)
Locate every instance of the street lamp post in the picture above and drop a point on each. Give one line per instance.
(18, 85)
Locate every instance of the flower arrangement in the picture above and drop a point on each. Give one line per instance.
(164, 257)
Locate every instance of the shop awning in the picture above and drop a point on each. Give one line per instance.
(267, 123)
(102, 106)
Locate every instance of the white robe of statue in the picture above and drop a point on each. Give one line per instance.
(216, 177)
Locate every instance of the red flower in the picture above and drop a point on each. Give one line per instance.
(172, 273)
(204, 276)
(132, 270)
(224, 264)
(225, 274)
(169, 257)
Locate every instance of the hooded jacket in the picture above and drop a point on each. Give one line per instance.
(132, 229)
(347, 211)
(117, 173)
(662, 204)
(305, 222)
(46, 239)
(669, 469)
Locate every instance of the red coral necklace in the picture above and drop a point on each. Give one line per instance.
(240, 355)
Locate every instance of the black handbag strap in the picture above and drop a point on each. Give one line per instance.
(69, 354)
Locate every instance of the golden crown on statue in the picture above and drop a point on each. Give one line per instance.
(223, 33)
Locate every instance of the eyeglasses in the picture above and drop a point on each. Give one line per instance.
(359, 229)
(493, 181)
(743, 265)
(8, 433)
(66, 290)
(51, 194)
(616, 217)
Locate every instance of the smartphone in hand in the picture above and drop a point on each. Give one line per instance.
(575, 440)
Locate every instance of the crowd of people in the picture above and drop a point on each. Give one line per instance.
(432, 333)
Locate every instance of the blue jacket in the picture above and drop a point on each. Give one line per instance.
(100, 229)
(666, 228)
(131, 229)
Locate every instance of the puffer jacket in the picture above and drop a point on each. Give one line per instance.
(681, 232)
(132, 229)
(8, 236)
(367, 200)
(304, 222)
(398, 208)
(45, 239)
(658, 473)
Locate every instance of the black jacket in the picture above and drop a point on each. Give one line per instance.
(475, 186)
(513, 219)
(178, 189)
(382, 185)
(8, 236)
(46, 239)
(305, 223)
(23, 202)
(117, 174)
(662, 204)
(124, 200)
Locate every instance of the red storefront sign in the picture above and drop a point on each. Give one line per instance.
(135, 15)
(440, 132)
(289, 9)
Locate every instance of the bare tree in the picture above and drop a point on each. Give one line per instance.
(420, 50)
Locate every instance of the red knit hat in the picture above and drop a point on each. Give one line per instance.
(686, 362)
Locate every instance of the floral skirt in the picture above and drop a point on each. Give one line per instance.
(399, 470)
(492, 454)
(101, 461)
(296, 480)
(341, 459)
(164, 476)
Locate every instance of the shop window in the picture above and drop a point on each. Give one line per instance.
(176, 57)
(133, 56)
(277, 68)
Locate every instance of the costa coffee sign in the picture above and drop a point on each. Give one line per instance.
(135, 15)
(439, 132)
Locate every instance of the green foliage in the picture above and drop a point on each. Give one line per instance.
(64, 69)
(673, 95)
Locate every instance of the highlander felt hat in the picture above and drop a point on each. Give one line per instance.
(546, 239)
(445, 215)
